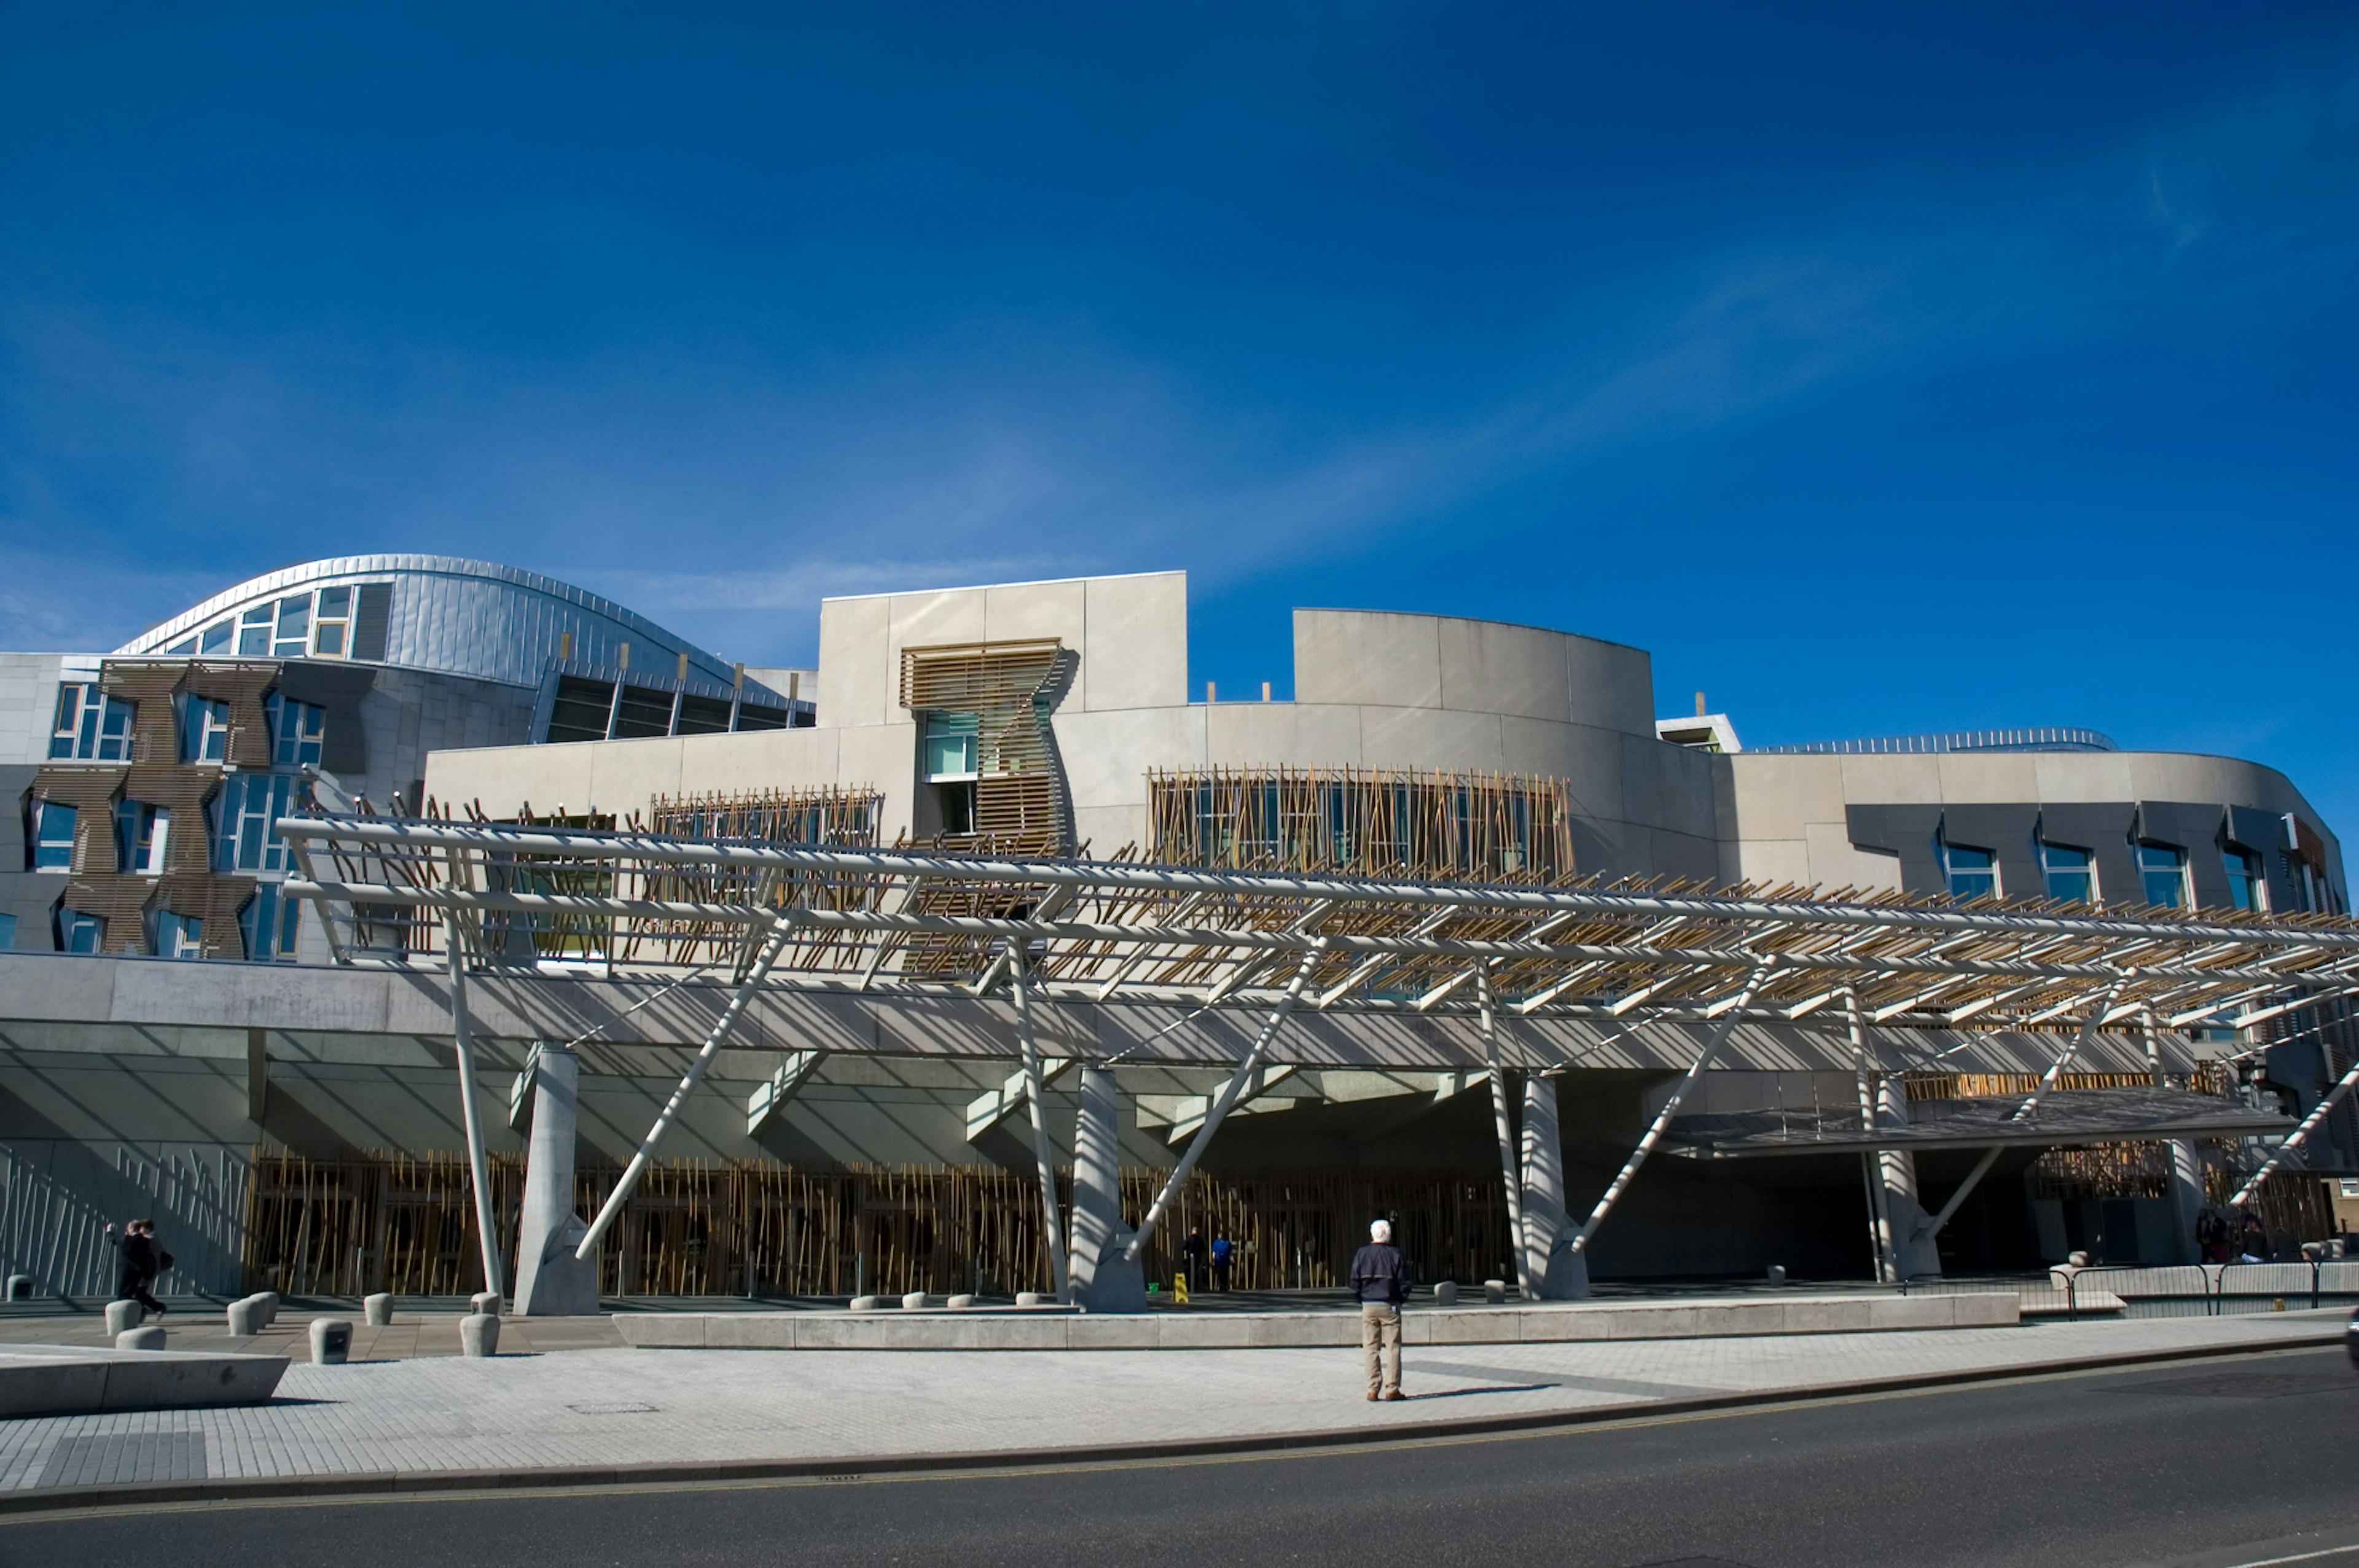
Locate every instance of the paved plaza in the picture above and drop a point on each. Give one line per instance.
(618, 1407)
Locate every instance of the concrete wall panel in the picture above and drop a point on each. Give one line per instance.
(1367, 656)
(1282, 735)
(856, 674)
(1431, 738)
(1135, 644)
(1488, 666)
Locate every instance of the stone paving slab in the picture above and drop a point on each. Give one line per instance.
(633, 1412)
(409, 1335)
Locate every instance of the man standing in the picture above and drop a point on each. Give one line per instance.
(1380, 1279)
(1221, 1251)
(1191, 1252)
(142, 1261)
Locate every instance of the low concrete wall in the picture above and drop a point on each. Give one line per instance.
(58, 1379)
(1232, 1331)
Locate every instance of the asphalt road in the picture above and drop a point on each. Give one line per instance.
(2229, 1462)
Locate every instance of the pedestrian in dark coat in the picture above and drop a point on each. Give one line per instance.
(143, 1261)
(1380, 1279)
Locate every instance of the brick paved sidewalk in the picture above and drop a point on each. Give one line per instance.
(606, 1408)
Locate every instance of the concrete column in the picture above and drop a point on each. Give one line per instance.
(1557, 1272)
(2186, 1197)
(551, 1281)
(1913, 1253)
(1100, 1280)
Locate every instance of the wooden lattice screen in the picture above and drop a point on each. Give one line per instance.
(1471, 826)
(701, 1228)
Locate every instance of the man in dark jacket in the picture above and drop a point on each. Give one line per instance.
(1380, 1279)
(142, 1261)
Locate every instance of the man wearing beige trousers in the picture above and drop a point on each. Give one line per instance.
(1380, 1279)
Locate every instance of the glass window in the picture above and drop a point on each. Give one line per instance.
(53, 835)
(950, 749)
(204, 730)
(2163, 872)
(332, 625)
(296, 730)
(141, 832)
(79, 933)
(268, 923)
(254, 633)
(216, 639)
(2247, 881)
(7, 932)
(90, 726)
(294, 628)
(183, 648)
(250, 803)
(2071, 874)
(180, 935)
(1972, 873)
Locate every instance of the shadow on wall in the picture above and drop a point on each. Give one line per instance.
(57, 1198)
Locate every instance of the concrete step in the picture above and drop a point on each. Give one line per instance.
(60, 1380)
(1517, 1325)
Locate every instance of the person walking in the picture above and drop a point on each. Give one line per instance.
(143, 1260)
(1380, 1279)
(1222, 1249)
(1191, 1252)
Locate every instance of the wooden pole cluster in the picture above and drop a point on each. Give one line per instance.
(1435, 827)
(695, 1227)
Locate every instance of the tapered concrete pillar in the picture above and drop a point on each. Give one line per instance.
(2186, 1198)
(551, 1281)
(1101, 1280)
(1559, 1272)
(1914, 1254)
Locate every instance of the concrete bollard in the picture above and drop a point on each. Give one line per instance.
(377, 1309)
(121, 1317)
(245, 1317)
(479, 1335)
(331, 1340)
(960, 1302)
(20, 1287)
(270, 1300)
(1495, 1291)
(1029, 1298)
(148, 1338)
(1776, 1273)
(914, 1302)
(1446, 1294)
(485, 1302)
(865, 1303)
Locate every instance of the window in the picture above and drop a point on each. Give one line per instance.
(141, 832)
(1970, 873)
(2162, 870)
(2071, 874)
(951, 748)
(294, 639)
(53, 837)
(330, 627)
(254, 633)
(204, 730)
(295, 732)
(90, 726)
(269, 923)
(79, 933)
(250, 803)
(2247, 881)
(182, 648)
(180, 935)
(2350, 1185)
(216, 638)
(7, 932)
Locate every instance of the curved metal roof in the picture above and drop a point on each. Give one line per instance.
(464, 617)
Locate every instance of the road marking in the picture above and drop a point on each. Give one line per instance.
(2297, 1557)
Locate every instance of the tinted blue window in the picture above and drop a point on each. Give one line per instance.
(1973, 873)
(7, 932)
(2246, 881)
(2071, 874)
(2162, 870)
(53, 837)
(79, 933)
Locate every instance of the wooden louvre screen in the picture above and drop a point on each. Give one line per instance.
(405, 1224)
(1461, 827)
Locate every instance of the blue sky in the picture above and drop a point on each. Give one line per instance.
(1877, 371)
